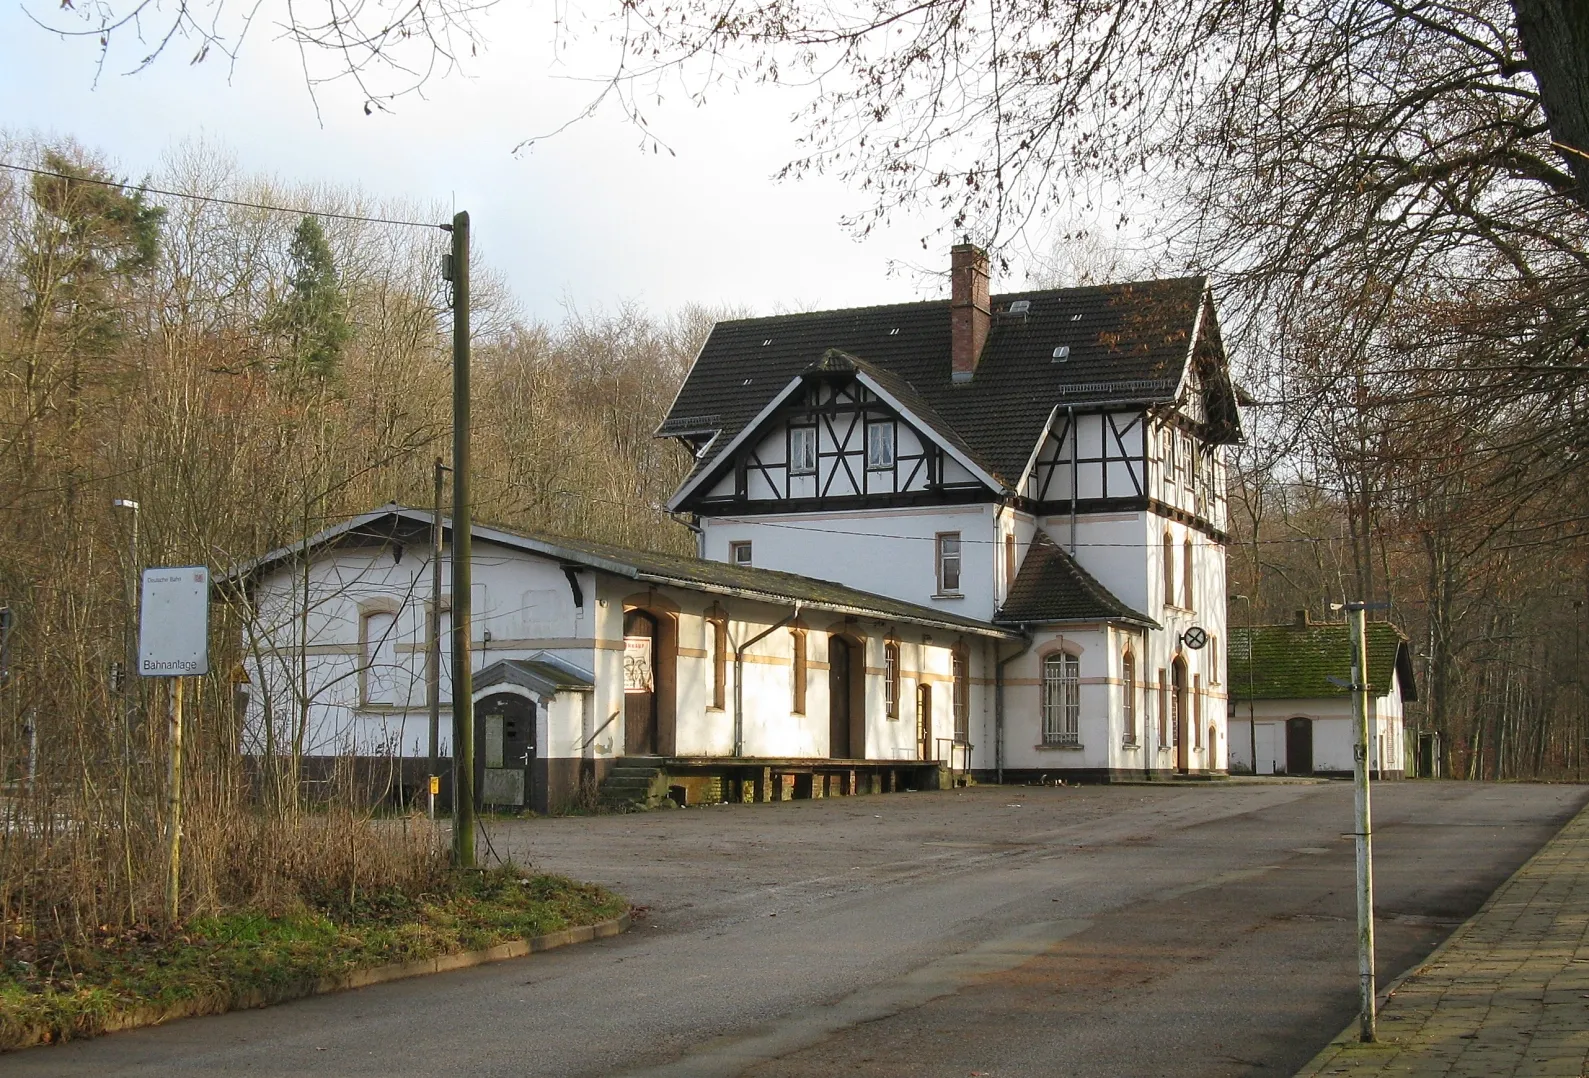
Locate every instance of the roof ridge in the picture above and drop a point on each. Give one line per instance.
(1029, 293)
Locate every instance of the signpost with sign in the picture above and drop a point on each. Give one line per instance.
(174, 642)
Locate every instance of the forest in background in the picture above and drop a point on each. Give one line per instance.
(249, 376)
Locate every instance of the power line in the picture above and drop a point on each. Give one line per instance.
(217, 200)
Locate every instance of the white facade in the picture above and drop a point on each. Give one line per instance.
(1329, 733)
(1166, 562)
(350, 678)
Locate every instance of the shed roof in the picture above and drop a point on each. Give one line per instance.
(1296, 661)
(696, 574)
(1053, 587)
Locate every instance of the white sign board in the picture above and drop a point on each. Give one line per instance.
(637, 664)
(174, 622)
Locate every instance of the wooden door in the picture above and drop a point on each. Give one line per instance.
(839, 672)
(1299, 746)
(924, 721)
(639, 684)
(1178, 729)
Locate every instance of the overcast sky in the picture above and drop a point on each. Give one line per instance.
(586, 216)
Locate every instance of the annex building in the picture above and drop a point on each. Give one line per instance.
(980, 535)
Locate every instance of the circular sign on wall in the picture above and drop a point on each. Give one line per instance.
(1195, 637)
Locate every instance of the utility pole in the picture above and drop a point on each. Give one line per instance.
(433, 645)
(463, 817)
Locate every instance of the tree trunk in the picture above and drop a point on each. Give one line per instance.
(1555, 35)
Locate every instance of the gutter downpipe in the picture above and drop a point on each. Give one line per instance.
(998, 701)
(689, 521)
(739, 676)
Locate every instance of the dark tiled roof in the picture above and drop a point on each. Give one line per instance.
(1295, 662)
(765, 585)
(1052, 587)
(1126, 341)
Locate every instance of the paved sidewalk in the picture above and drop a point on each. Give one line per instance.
(1507, 994)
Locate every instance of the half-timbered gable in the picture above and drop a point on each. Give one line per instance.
(839, 435)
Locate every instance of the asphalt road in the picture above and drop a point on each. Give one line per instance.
(1092, 931)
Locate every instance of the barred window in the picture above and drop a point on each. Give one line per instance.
(1062, 700)
(891, 679)
(962, 698)
(1128, 689)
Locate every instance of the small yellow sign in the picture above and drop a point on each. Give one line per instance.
(435, 785)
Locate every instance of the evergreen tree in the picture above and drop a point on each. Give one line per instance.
(311, 319)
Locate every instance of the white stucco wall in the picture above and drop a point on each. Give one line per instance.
(885, 551)
(1332, 733)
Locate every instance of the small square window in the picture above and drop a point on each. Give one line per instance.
(802, 451)
(739, 553)
(879, 447)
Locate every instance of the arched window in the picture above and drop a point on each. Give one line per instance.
(378, 645)
(799, 638)
(1197, 711)
(717, 631)
(1186, 572)
(962, 697)
(1061, 699)
(1128, 694)
(1164, 712)
(891, 679)
(1169, 569)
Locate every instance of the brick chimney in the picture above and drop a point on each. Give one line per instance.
(970, 314)
(1303, 621)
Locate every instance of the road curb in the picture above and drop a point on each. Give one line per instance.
(1348, 1036)
(138, 1017)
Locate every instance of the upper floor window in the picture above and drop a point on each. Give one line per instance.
(948, 563)
(802, 451)
(891, 679)
(962, 697)
(879, 446)
(1062, 699)
(1212, 651)
(1009, 562)
(739, 553)
(1169, 569)
(1172, 462)
(1187, 574)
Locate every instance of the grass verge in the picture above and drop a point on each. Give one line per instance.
(244, 958)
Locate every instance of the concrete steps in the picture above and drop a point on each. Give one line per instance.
(635, 784)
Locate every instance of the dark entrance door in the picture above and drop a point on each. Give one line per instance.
(839, 699)
(504, 738)
(1180, 731)
(924, 721)
(1299, 746)
(639, 684)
